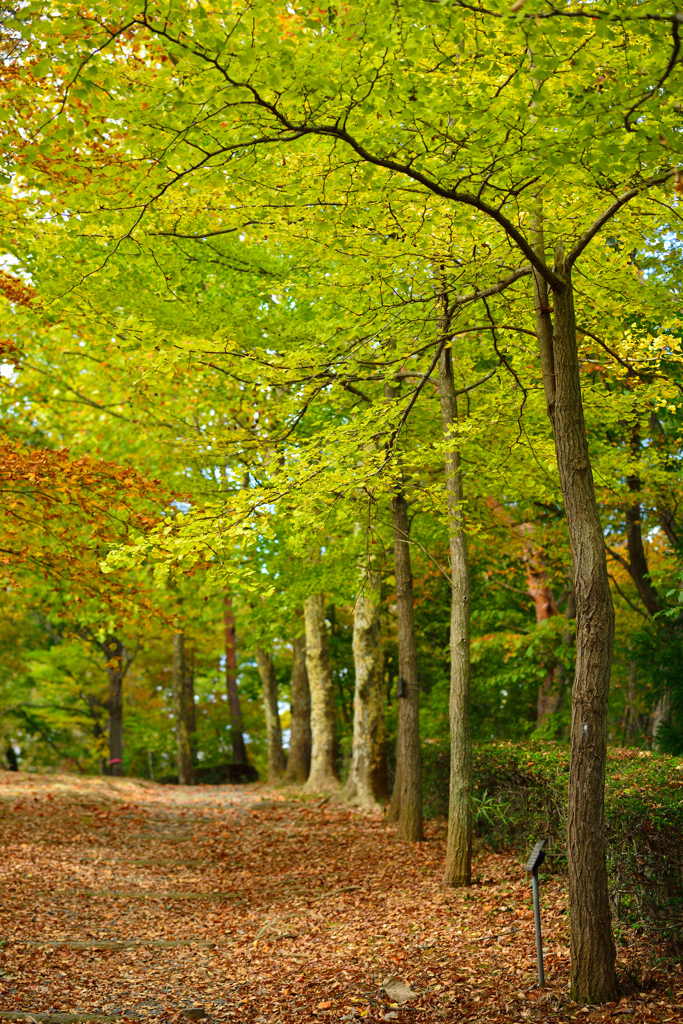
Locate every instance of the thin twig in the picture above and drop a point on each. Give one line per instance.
(597, 224)
(628, 602)
(615, 355)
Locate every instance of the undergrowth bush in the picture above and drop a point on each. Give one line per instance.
(521, 796)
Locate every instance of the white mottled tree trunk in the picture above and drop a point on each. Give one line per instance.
(323, 774)
(366, 785)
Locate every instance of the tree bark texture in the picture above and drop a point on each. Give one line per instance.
(406, 797)
(299, 760)
(366, 785)
(323, 774)
(117, 665)
(183, 730)
(188, 690)
(239, 751)
(593, 975)
(458, 870)
(276, 755)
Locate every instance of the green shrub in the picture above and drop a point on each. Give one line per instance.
(521, 796)
(644, 816)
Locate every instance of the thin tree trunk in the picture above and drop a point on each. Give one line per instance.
(188, 691)
(323, 774)
(637, 559)
(299, 760)
(239, 751)
(276, 755)
(640, 574)
(406, 797)
(117, 664)
(366, 785)
(593, 974)
(95, 707)
(343, 703)
(458, 870)
(405, 806)
(180, 709)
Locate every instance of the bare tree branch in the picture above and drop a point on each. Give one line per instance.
(610, 212)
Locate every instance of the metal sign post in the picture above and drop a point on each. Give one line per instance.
(533, 864)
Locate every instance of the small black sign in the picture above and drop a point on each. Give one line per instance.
(537, 856)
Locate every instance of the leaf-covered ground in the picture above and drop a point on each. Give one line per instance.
(129, 899)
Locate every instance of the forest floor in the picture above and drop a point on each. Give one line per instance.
(123, 898)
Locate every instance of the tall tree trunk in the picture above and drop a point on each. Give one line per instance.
(188, 695)
(180, 713)
(323, 774)
(593, 974)
(637, 559)
(95, 707)
(239, 751)
(276, 755)
(367, 781)
(638, 569)
(117, 664)
(299, 760)
(640, 574)
(406, 797)
(458, 870)
(343, 703)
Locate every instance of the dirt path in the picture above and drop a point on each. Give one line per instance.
(124, 898)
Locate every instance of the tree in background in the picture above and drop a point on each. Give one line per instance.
(366, 784)
(323, 773)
